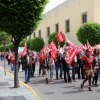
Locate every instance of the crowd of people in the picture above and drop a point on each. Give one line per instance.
(86, 66)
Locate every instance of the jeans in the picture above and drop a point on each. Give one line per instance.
(57, 69)
(12, 66)
(27, 73)
(47, 72)
(51, 71)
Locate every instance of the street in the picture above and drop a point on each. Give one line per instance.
(59, 90)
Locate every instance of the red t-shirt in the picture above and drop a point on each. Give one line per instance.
(88, 64)
(12, 59)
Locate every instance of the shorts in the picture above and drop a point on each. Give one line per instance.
(88, 72)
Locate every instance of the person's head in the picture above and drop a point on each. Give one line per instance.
(64, 54)
(87, 52)
(96, 51)
(28, 52)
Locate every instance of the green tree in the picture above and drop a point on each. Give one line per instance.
(52, 37)
(4, 40)
(90, 32)
(20, 18)
(22, 43)
(1, 48)
(37, 44)
(11, 46)
(28, 44)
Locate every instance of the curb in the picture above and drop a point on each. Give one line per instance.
(27, 86)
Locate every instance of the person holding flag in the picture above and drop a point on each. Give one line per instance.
(87, 61)
(27, 61)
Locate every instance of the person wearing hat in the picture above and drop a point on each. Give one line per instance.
(88, 70)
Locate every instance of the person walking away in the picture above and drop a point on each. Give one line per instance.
(87, 61)
(12, 62)
(27, 63)
(95, 66)
(65, 68)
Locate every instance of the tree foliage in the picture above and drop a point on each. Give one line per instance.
(4, 38)
(52, 37)
(37, 44)
(20, 18)
(90, 32)
(22, 43)
(28, 44)
(1, 48)
(11, 47)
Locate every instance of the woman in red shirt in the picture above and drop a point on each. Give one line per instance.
(12, 62)
(87, 61)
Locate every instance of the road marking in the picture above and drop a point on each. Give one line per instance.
(27, 86)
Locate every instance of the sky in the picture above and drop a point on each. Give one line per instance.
(52, 4)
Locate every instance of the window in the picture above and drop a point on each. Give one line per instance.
(34, 35)
(39, 33)
(67, 25)
(57, 27)
(48, 31)
(84, 18)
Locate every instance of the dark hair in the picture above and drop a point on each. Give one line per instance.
(95, 52)
(49, 53)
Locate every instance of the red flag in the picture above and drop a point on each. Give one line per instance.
(82, 47)
(60, 37)
(72, 51)
(53, 49)
(24, 52)
(89, 47)
(44, 49)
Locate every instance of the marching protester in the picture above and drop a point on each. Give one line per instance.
(74, 70)
(27, 61)
(33, 65)
(19, 62)
(65, 68)
(96, 66)
(87, 61)
(58, 65)
(52, 67)
(12, 61)
(80, 65)
(48, 65)
(42, 62)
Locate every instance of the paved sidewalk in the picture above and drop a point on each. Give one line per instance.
(7, 92)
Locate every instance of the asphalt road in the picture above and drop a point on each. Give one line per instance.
(59, 90)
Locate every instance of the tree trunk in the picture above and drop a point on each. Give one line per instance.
(16, 81)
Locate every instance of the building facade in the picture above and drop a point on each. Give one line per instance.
(67, 17)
